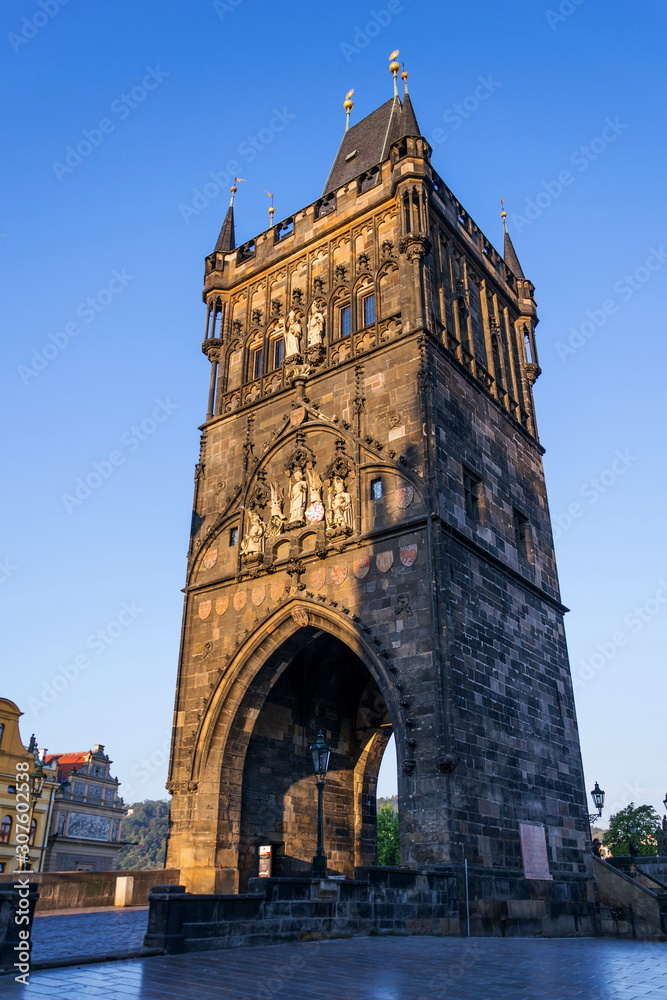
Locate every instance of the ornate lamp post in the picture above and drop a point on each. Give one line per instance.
(598, 800)
(320, 753)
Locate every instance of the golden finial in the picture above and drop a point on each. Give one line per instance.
(503, 214)
(348, 104)
(234, 189)
(394, 68)
(271, 208)
(404, 78)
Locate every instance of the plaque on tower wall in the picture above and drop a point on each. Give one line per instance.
(534, 852)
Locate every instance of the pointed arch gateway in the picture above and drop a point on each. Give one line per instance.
(306, 669)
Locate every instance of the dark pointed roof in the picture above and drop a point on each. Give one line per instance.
(511, 258)
(367, 143)
(409, 124)
(226, 239)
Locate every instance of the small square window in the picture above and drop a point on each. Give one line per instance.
(233, 536)
(472, 492)
(368, 309)
(257, 362)
(344, 321)
(376, 489)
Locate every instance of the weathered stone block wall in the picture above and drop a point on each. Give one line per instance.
(74, 890)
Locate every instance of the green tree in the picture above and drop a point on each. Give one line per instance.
(634, 824)
(387, 826)
(146, 829)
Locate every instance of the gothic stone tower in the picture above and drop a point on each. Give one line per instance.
(371, 548)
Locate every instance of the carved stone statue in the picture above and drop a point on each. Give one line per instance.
(252, 544)
(316, 327)
(314, 486)
(277, 517)
(298, 494)
(340, 503)
(292, 335)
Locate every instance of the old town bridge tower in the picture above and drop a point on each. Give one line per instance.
(371, 550)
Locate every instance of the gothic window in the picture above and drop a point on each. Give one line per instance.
(472, 493)
(5, 830)
(256, 362)
(233, 536)
(376, 489)
(278, 352)
(529, 353)
(523, 536)
(368, 309)
(344, 321)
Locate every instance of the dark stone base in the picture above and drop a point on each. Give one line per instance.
(376, 901)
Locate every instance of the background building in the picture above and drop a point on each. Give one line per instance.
(85, 825)
(43, 781)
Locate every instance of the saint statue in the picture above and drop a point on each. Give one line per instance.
(298, 493)
(292, 335)
(316, 327)
(253, 540)
(277, 516)
(341, 505)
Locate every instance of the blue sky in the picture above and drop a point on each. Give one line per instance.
(557, 108)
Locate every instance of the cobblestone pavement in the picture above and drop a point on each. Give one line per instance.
(103, 931)
(388, 968)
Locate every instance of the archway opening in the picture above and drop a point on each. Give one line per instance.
(324, 685)
(388, 850)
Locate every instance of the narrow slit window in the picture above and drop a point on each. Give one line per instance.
(472, 493)
(257, 362)
(523, 536)
(344, 322)
(376, 489)
(278, 352)
(233, 537)
(368, 309)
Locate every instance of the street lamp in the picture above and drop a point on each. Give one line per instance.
(320, 753)
(37, 779)
(598, 799)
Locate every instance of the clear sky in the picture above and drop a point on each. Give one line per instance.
(122, 121)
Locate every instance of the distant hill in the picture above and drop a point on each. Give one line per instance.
(146, 827)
